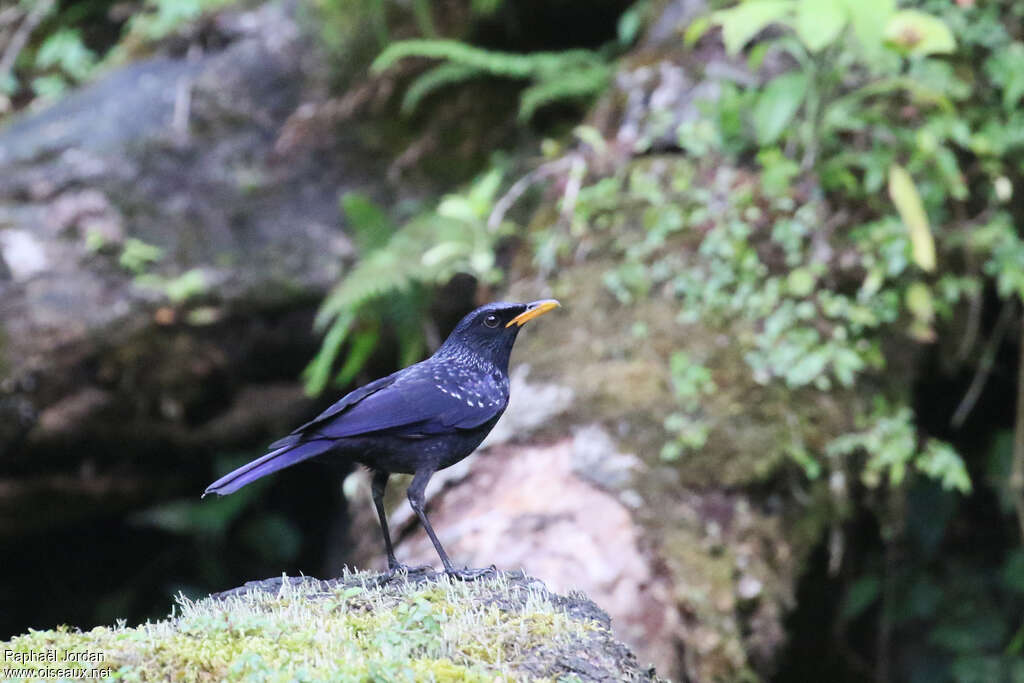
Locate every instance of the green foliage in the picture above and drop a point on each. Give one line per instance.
(161, 18)
(388, 285)
(889, 438)
(56, 56)
(65, 51)
(868, 106)
(819, 24)
(553, 76)
(691, 383)
(136, 255)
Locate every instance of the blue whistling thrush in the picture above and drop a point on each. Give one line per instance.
(416, 421)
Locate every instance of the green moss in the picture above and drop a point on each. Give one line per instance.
(439, 630)
(753, 429)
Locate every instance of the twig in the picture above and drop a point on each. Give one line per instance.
(508, 199)
(988, 358)
(21, 36)
(970, 337)
(1017, 471)
(572, 188)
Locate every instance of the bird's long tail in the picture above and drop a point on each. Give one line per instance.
(273, 461)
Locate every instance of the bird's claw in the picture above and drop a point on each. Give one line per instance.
(399, 569)
(470, 574)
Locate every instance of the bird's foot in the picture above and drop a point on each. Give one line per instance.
(398, 569)
(470, 574)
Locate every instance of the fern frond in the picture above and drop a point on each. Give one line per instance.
(369, 225)
(316, 374)
(393, 274)
(493, 62)
(380, 273)
(360, 350)
(570, 84)
(434, 79)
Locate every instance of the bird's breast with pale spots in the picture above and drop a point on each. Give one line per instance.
(475, 389)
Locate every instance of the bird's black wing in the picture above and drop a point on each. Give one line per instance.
(347, 401)
(418, 403)
(414, 401)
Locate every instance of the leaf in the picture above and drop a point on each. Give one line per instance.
(574, 83)
(819, 22)
(860, 596)
(696, 30)
(920, 34)
(744, 21)
(434, 79)
(1006, 69)
(941, 461)
(630, 23)
(369, 223)
(908, 203)
(316, 374)
(869, 18)
(363, 345)
(777, 105)
(495, 63)
(65, 49)
(800, 282)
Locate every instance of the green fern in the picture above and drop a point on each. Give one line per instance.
(440, 76)
(387, 287)
(554, 75)
(578, 83)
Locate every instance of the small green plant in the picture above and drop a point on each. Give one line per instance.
(889, 438)
(44, 50)
(553, 76)
(137, 256)
(161, 18)
(389, 284)
(691, 384)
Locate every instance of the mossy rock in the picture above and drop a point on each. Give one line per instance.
(419, 627)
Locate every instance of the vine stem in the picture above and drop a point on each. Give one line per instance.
(513, 194)
(988, 359)
(1017, 471)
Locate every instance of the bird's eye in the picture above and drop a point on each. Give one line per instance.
(491, 320)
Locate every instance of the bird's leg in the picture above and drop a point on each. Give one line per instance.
(380, 483)
(417, 498)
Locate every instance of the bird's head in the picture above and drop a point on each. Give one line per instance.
(489, 332)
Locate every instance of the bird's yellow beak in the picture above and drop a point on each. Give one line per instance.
(533, 310)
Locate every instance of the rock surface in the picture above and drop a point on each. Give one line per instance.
(417, 626)
(159, 266)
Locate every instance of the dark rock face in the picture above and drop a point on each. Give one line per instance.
(597, 656)
(159, 265)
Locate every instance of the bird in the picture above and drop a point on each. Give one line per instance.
(418, 420)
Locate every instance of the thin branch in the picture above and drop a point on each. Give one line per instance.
(519, 187)
(572, 188)
(973, 325)
(988, 358)
(1017, 471)
(21, 36)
